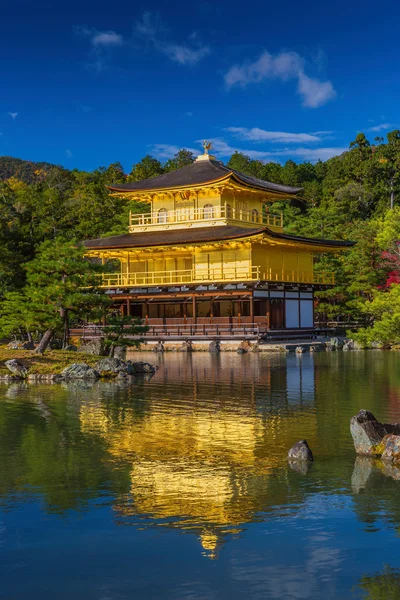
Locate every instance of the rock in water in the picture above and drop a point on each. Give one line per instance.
(187, 346)
(113, 366)
(16, 367)
(79, 371)
(142, 367)
(214, 346)
(391, 452)
(159, 347)
(300, 451)
(245, 345)
(241, 351)
(367, 433)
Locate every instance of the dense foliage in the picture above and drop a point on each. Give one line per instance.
(355, 196)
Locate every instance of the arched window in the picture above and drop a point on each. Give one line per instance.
(228, 211)
(208, 211)
(254, 215)
(162, 215)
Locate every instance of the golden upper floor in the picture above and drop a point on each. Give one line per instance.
(203, 194)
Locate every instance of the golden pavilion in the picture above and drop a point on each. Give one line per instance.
(211, 256)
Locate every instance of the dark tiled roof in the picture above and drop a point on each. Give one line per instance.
(174, 236)
(198, 235)
(200, 172)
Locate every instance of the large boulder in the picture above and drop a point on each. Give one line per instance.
(113, 366)
(300, 451)
(93, 347)
(391, 452)
(368, 433)
(120, 352)
(80, 371)
(159, 347)
(337, 343)
(16, 368)
(214, 346)
(139, 367)
(187, 346)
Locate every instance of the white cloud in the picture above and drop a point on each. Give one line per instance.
(13, 115)
(380, 127)
(68, 153)
(223, 149)
(314, 92)
(185, 55)
(314, 154)
(102, 43)
(152, 31)
(188, 114)
(255, 134)
(107, 38)
(284, 66)
(165, 151)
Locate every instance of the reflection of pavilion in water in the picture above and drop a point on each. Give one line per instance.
(206, 452)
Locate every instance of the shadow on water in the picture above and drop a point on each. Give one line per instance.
(201, 449)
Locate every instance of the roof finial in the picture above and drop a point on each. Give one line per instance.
(207, 146)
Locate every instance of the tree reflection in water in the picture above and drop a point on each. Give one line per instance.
(381, 586)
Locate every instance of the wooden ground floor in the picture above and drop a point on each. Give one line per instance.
(237, 305)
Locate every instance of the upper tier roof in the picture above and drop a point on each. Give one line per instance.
(201, 235)
(201, 172)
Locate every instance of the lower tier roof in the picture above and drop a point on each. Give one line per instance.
(201, 235)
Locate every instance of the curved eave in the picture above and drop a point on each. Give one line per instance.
(285, 194)
(169, 189)
(209, 236)
(230, 175)
(322, 244)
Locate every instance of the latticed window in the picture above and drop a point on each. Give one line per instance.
(162, 215)
(208, 211)
(254, 215)
(228, 211)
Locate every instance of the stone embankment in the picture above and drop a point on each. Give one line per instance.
(105, 368)
(374, 439)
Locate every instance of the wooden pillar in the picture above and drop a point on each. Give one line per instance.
(211, 309)
(121, 309)
(128, 306)
(252, 308)
(194, 308)
(268, 313)
(147, 312)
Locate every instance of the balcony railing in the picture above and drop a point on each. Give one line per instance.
(207, 214)
(214, 275)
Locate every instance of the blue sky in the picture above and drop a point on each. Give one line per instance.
(88, 83)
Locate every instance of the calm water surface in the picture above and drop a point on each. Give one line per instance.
(178, 486)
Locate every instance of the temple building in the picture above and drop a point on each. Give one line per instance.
(211, 255)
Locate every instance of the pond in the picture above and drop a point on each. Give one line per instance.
(178, 486)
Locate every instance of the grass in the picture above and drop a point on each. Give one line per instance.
(52, 361)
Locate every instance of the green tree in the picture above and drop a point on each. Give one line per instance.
(61, 285)
(119, 331)
(147, 167)
(182, 158)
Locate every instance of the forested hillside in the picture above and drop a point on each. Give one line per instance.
(353, 196)
(24, 170)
